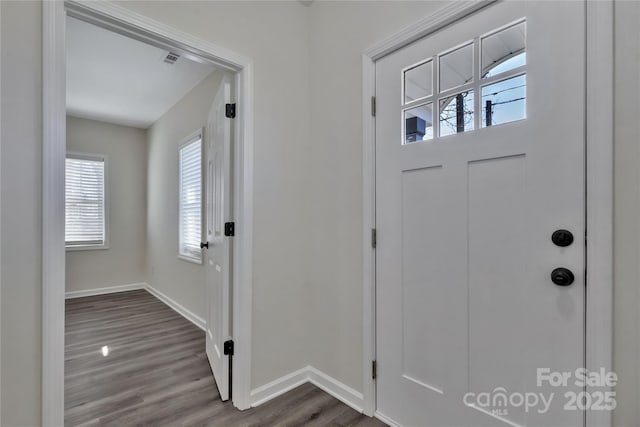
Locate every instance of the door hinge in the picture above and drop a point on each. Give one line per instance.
(374, 369)
(228, 348)
(373, 106)
(374, 238)
(229, 228)
(230, 111)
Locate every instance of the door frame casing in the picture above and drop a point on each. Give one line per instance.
(129, 23)
(598, 179)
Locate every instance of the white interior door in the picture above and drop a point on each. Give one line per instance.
(479, 158)
(218, 255)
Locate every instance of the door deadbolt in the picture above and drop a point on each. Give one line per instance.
(562, 238)
(562, 276)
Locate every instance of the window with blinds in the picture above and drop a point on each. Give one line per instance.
(190, 200)
(85, 204)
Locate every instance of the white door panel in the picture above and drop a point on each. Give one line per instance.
(218, 255)
(465, 302)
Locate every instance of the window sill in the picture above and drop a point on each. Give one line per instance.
(190, 259)
(86, 248)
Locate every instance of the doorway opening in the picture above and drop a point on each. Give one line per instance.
(203, 122)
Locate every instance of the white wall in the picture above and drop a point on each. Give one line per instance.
(275, 36)
(125, 260)
(21, 213)
(340, 32)
(627, 213)
(180, 280)
(290, 182)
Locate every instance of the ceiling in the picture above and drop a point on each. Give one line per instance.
(116, 79)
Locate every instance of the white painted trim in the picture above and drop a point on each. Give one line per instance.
(428, 25)
(368, 223)
(243, 240)
(600, 190)
(104, 291)
(87, 248)
(279, 386)
(335, 388)
(386, 420)
(131, 24)
(0, 213)
(599, 170)
(53, 251)
(170, 302)
(192, 137)
(328, 384)
(124, 21)
(422, 28)
(177, 307)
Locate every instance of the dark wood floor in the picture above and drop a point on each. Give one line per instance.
(156, 373)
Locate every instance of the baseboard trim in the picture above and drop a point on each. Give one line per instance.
(105, 290)
(288, 382)
(337, 389)
(177, 307)
(385, 420)
(279, 386)
(264, 393)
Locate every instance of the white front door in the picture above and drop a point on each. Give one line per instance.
(218, 255)
(480, 152)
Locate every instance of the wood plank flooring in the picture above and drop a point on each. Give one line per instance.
(132, 360)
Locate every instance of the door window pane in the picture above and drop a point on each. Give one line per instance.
(418, 81)
(504, 101)
(418, 123)
(456, 113)
(504, 50)
(456, 67)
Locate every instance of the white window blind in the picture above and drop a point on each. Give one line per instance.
(85, 201)
(190, 198)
